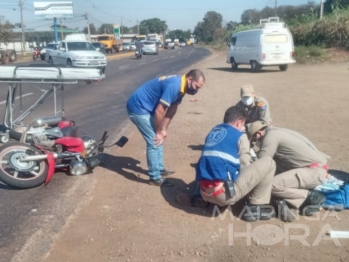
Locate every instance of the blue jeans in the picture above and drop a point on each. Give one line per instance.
(146, 125)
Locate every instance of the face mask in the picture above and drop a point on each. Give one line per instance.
(191, 90)
(247, 101)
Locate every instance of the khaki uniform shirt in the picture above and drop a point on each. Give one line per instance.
(259, 111)
(290, 149)
(244, 151)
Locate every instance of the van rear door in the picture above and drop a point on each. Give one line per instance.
(277, 47)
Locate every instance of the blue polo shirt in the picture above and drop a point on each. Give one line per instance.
(166, 90)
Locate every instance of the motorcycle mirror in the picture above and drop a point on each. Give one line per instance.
(122, 141)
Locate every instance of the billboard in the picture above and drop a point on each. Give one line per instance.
(53, 9)
(116, 31)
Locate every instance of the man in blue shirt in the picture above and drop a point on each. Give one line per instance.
(151, 108)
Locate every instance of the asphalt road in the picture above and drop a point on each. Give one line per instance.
(30, 219)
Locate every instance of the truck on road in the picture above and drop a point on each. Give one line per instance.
(111, 44)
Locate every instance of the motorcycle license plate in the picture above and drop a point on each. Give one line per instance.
(137, 52)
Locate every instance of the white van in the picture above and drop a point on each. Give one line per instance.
(269, 45)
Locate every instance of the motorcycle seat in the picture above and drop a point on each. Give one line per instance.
(70, 131)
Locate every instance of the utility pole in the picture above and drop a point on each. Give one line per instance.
(22, 27)
(88, 22)
(121, 31)
(322, 9)
(61, 31)
(276, 7)
(137, 28)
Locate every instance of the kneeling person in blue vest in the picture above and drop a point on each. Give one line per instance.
(222, 179)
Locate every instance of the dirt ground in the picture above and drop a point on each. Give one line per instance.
(129, 220)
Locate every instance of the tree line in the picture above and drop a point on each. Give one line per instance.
(212, 29)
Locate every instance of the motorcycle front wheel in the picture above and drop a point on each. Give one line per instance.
(20, 174)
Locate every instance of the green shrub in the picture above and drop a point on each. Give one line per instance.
(331, 31)
(310, 53)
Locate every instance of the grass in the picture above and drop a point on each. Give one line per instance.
(305, 54)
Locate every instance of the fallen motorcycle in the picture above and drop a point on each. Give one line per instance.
(33, 152)
(30, 165)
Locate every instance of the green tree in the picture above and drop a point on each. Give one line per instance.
(210, 28)
(284, 12)
(181, 35)
(154, 25)
(331, 5)
(93, 30)
(106, 29)
(6, 32)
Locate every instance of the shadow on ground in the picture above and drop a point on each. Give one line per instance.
(125, 166)
(243, 70)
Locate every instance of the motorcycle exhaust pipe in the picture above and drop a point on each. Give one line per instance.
(42, 157)
(33, 158)
(65, 154)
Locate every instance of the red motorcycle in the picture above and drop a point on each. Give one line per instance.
(25, 165)
(37, 54)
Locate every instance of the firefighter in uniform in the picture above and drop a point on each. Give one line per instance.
(300, 167)
(257, 107)
(221, 178)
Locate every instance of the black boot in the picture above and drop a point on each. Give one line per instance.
(284, 212)
(166, 172)
(312, 203)
(257, 212)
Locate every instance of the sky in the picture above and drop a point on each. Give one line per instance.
(179, 14)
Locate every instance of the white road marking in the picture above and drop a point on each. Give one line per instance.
(155, 60)
(29, 94)
(172, 56)
(124, 67)
(142, 63)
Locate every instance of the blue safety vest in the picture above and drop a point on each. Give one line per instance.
(220, 154)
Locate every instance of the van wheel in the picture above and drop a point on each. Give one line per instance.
(283, 67)
(234, 65)
(255, 67)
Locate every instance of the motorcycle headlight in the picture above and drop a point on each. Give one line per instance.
(90, 144)
(77, 168)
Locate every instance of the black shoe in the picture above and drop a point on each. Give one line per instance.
(166, 172)
(257, 212)
(312, 203)
(284, 212)
(198, 201)
(160, 182)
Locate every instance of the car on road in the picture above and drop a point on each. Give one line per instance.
(150, 47)
(159, 43)
(77, 51)
(169, 45)
(126, 46)
(132, 46)
(99, 47)
(52, 46)
(182, 44)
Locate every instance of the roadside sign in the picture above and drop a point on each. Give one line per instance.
(54, 9)
(116, 31)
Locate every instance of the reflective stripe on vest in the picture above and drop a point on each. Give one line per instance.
(221, 155)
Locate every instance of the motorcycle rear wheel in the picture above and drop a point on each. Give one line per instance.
(16, 173)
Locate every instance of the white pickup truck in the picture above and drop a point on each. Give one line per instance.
(76, 51)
